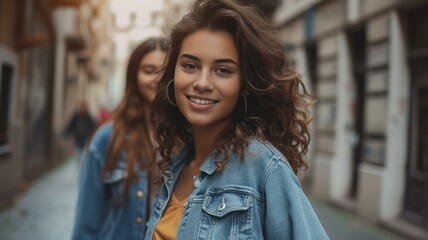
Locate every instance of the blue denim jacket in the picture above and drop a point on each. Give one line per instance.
(258, 197)
(97, 214)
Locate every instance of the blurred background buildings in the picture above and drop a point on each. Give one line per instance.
(53, 54)
(365, 60)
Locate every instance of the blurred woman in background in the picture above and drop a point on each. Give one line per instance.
(115, 189)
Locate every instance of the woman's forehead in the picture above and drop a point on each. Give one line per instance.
(210, 44)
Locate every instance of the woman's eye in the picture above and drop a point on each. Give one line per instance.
(148, 70)
(223, 71)
(190, 66)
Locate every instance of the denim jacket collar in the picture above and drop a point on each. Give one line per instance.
(208, 167)
(178, 162)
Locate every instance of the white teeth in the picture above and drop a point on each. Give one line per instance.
(201, 101)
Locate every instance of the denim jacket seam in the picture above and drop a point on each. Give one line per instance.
(279, 156)
(267, 173)
(230, 189)
(96, 153)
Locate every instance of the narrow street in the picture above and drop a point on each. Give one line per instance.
(340, 225)
(46, 212)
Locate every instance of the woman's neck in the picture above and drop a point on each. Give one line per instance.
(204, 139)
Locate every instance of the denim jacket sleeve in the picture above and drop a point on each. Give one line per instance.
(92, 205)
(288, 214)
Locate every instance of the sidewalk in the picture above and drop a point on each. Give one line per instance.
(340, 225)
(46, 212)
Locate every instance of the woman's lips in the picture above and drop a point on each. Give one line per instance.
(201, 103)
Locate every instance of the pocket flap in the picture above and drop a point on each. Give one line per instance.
(220, 203)
(115, 176)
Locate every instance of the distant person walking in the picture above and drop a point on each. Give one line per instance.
(80, 128)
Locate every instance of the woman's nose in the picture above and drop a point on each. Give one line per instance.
(158, 75)
(203, 82)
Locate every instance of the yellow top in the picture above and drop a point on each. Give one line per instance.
(167, 227)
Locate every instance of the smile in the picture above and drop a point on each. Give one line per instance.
(202, 101)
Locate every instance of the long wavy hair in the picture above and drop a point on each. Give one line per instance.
(276, 106)
(131, 133)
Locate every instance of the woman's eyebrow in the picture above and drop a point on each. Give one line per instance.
(148, 65)
(186, 55)
(222, 60)
(226, 60)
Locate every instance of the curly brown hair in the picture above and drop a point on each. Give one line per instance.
(276, 104)
(130, 127)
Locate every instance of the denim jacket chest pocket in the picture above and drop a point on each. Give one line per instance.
(114, 182)
(226, 214)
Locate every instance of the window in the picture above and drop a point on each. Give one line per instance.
(5, 97)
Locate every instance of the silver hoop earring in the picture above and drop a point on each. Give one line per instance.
(167, 95)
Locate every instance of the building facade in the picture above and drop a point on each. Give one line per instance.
(366, 62)
(51, 56)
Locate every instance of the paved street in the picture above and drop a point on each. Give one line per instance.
(340, 225)
(45, 212)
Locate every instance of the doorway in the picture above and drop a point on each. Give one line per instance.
(416, 197)
(357, 44)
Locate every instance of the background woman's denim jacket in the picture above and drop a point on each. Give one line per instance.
(257, 198)
(97, 215)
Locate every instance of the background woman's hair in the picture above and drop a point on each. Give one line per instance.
(277, 98)
(130, 127)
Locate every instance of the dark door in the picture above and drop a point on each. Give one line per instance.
(311, 55)
(5, 99)
(416, 200)
(416, 197)
(357, 45)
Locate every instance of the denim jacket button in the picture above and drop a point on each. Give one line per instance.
(222, 205)
(138, 220)
(140, 194)
(196, 183)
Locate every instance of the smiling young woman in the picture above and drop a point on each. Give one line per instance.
(238, 113)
